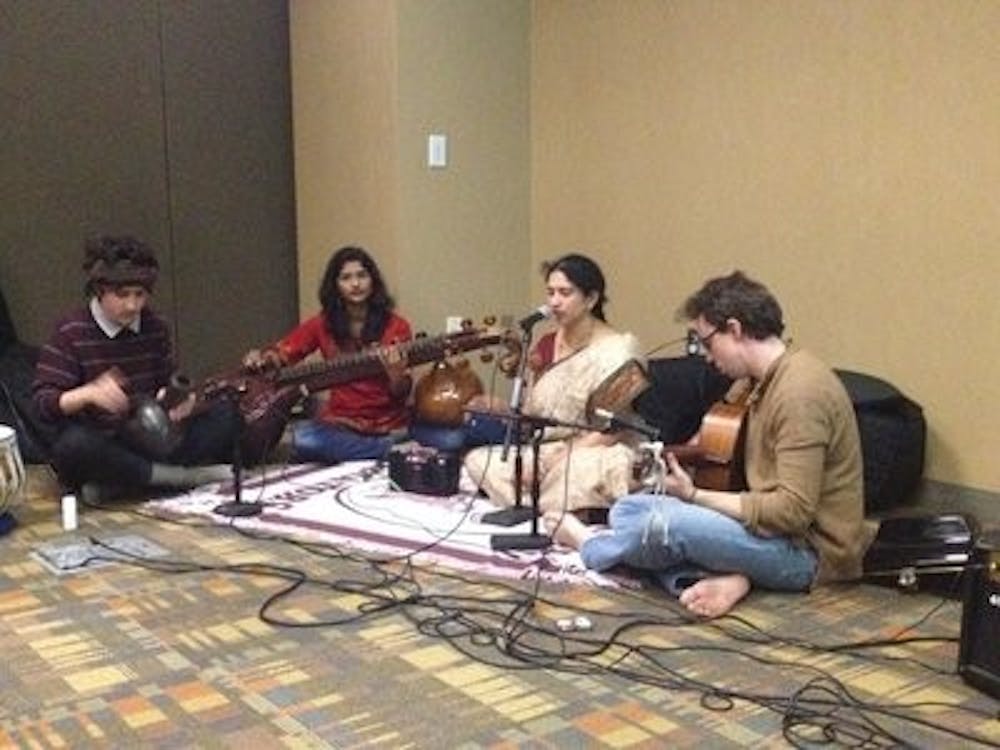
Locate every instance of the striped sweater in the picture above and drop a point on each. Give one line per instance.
(79, 351)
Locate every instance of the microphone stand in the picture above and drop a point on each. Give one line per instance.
(236, 508)
(517, 513)
(533, 539)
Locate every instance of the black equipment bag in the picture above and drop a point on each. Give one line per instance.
(17, 410)
(893, 434)
(681, 391)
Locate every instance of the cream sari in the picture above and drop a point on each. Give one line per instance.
(590, 476)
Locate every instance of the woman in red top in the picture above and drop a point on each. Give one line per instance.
(362, 418)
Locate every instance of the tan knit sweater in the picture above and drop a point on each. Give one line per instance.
(803, 465)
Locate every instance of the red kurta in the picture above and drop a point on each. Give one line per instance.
(366, 405)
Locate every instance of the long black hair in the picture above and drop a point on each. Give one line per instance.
(380, 304)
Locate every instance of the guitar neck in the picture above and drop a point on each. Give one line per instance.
(320, 375)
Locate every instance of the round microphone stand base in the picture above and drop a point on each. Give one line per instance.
(520, 541)
(509, 516)
(238, 509)
(534, 539)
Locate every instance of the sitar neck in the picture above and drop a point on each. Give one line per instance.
(323, 374)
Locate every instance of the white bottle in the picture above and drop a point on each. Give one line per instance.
(69, 519)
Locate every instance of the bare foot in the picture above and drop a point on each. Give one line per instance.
(566, 529)
(715, 596)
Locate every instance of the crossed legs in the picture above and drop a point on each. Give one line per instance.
(708, 560)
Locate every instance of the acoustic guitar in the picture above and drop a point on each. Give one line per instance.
(266, 398)
(715, 461)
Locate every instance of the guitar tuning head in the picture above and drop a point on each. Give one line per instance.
(490, 320)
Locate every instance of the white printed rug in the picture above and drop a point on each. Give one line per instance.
(352, 506)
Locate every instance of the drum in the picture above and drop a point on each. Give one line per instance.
(11, 469)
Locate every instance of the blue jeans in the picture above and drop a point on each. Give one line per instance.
(681, 543)
(326, 443)
(476, 431)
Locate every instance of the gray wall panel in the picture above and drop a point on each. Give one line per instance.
(230, 171)
(80, 144)
(169, 120)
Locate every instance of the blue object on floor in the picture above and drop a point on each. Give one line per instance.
(7, 522)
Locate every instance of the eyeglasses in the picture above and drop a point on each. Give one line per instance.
(706, 341)
(700, 345)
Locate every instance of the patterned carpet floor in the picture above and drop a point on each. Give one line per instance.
(182, 633)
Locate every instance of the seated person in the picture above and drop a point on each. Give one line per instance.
(103, 359)
(801, 520)
(362, 418)
(579, 467)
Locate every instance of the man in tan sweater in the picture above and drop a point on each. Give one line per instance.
(801, 520)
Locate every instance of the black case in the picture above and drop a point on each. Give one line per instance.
(893, 435)
(927, 552)
(424, 470)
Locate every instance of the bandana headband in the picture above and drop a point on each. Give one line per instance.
(122, 273)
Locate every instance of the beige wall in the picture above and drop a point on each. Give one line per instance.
(345, 125)
(843, 151)
(371, 80)
(464, 237)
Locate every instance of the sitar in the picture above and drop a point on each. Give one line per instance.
(265, 398)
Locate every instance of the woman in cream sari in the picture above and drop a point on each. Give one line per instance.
(579, 468)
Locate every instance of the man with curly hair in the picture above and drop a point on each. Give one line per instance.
(101, 361)
(799, 522)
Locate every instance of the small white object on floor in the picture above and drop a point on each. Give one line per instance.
(69, 517)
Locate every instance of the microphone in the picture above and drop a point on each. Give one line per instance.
(542, 313)
(618, 422)
(692, 345)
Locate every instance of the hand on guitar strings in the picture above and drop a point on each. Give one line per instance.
(677, 481)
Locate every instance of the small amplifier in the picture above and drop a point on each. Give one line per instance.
(978, 653)
(426, 471)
